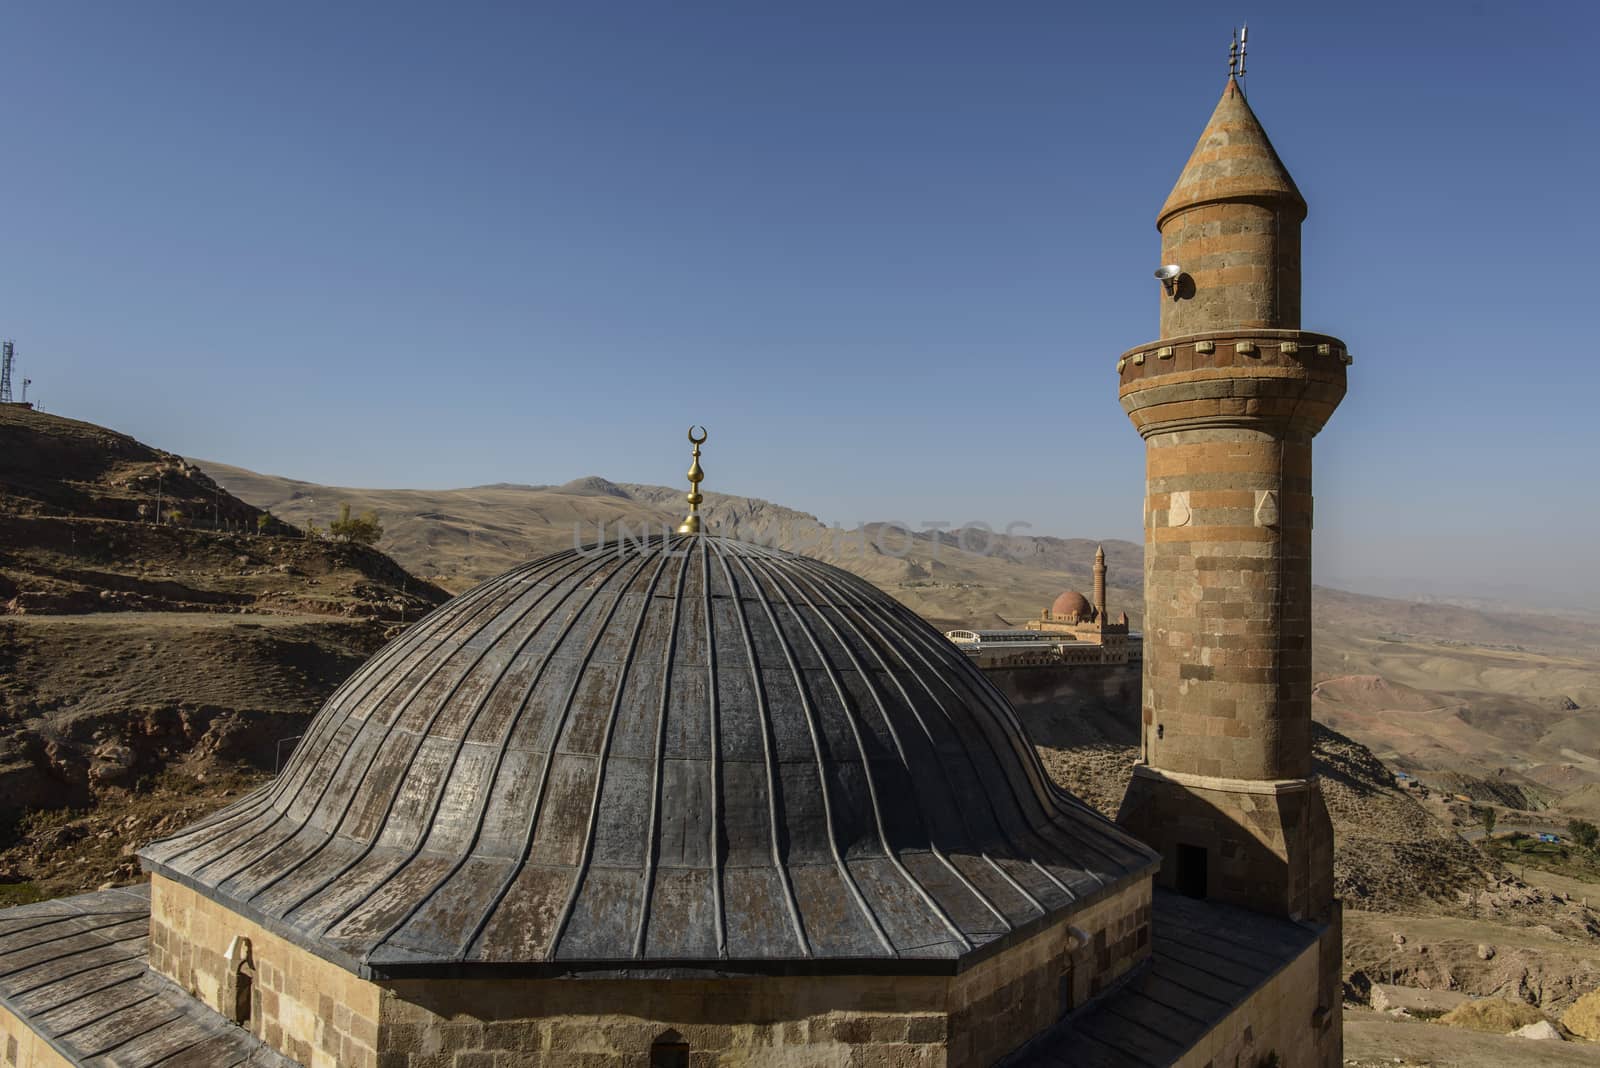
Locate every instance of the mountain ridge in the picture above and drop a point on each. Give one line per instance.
(1498, 683)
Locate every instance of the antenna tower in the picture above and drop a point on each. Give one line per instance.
(6, 359)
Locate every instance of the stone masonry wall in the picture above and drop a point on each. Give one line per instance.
(21, 1046)
(797, 1022)
(1227, 658)
(325, 1017)
(1268, 845)
(1042, 693)
(306, 1008)
(576, 1023)
(1242, 262)
(1282, 1017)
(1002, 1002)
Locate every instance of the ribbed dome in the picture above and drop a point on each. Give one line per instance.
(1232, 160)
(696, 754)
(1072, 603)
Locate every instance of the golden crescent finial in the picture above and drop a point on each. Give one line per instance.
(691, 523)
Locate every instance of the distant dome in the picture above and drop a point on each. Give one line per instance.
(1072, 603)
(698, 753)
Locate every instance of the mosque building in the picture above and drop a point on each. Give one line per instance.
(700, 802)
(1071, 631)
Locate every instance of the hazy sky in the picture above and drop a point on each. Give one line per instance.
(888, 253)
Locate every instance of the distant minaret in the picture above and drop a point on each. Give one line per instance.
(1100, 583)
(1227, 402)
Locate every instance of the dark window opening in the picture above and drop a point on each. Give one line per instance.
(239, 983)
(669, 1051)
(1191, 875)
(241, 997)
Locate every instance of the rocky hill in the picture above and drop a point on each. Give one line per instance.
(147, 666)
(460, 537)
(92, 520)
(1392, 854)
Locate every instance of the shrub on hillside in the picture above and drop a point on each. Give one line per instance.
(363, 529)
(1498, 1015)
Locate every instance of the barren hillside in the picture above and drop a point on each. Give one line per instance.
(150, 667)
(460, 537)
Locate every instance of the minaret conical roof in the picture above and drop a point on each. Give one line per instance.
(1234, 159)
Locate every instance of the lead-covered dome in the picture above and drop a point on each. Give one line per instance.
(1072, 605)
(697, 753)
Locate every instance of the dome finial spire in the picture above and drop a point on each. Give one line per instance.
(691, 523)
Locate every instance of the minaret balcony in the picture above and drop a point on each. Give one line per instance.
(1291, 379)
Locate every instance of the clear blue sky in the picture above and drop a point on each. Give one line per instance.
(887, 252)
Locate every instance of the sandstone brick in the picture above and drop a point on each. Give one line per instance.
(322, 1014)
(505, 1059)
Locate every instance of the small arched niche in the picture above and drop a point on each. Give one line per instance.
(669, 1050)
(238, 985)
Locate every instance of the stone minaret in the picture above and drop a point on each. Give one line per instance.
(1228, 401)
(1100, 583)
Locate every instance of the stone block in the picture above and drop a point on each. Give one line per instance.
(505, 1059)
(1582, 1018)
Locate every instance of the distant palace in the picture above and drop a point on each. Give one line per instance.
(1070, 631)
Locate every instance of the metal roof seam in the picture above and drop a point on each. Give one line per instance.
(580, 875)
(536, 811)
(851, 716)
(968, 755)
(864, 612)
(809, 712)
(777, 832)
(653, 842)
(302, 763)
(389, 728)
(444, 780)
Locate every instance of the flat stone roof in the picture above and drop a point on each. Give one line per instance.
(76, 971)
(1196, 977)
